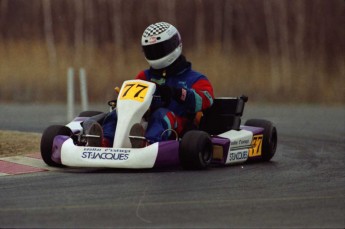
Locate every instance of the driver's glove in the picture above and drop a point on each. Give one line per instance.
(168, 93)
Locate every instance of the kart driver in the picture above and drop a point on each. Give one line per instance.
(181, 92)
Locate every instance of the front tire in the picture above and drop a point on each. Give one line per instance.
(195, 150)
(47, 142)
(270, 137)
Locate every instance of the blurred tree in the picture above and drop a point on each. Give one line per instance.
(284, 43)
(200, 32)
(271, 29)
(78, 33)
(49, 37)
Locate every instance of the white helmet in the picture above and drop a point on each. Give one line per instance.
(161, 44)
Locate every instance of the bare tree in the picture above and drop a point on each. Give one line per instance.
(167, 10)
(217, 23)
(227, 27)
(78, 32)
(118, 25)
(199, 27)
(171, 5)
(49, 36)
(273, 46)
(89, 31)
(284, 45)
(300, 31)
(3, 13)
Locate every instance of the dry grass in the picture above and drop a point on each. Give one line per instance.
(26, 74)
(13, 143)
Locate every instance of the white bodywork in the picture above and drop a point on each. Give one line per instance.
(79, 156)
(130, 110)
(75, 126)
(134, 100)
(240, 142)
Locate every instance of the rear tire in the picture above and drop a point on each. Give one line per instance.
(270, 138)
(195, 150)
(47, 142)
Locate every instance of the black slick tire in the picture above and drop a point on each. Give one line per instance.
(47, 142)
(270, 137)
(195, 150)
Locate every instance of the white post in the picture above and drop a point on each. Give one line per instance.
(83, 89)
(70, 94)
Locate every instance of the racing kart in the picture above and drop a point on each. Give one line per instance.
(218, 138)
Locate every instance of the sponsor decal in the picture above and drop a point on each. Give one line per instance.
(255, 151)
(244, 142)
(241, 142)
(107, 154)
(238, 156)
(170, 32)
(152, 40)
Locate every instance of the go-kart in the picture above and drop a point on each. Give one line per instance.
(218, 137)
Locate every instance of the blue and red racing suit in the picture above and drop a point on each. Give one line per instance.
(196, 95)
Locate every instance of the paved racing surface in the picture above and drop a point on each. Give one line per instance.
(303, 186)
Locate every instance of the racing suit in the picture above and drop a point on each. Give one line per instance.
(182, 92)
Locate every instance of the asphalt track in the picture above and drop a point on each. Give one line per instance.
(302, 187)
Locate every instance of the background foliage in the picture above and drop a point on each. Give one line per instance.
(273, 51)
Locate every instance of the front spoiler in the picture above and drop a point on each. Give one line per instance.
(160, 154)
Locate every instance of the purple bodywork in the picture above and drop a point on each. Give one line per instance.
(57, 144)
(254, 130)
(168, 154)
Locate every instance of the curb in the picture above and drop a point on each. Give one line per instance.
(15, 165)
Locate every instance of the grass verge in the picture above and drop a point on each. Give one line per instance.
(14, 143)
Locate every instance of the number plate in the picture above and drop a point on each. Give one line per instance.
(134, 91)
(255, 151)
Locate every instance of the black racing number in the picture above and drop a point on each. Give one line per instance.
(129, 86)
(143, 87)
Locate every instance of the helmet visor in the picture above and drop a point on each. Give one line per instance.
(162, 49)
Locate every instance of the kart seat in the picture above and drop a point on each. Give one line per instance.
(224, 115)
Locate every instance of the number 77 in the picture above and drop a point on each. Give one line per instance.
(129, 88)
(132, 88)
(142, 88)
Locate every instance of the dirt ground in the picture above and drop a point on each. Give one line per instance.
(13, 143)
